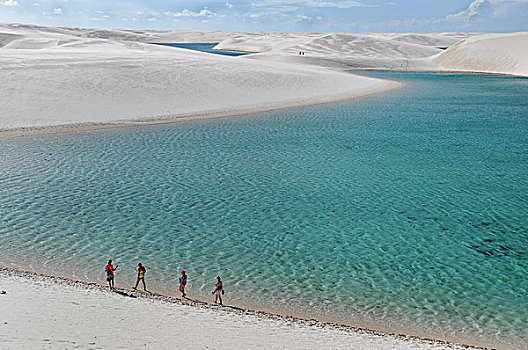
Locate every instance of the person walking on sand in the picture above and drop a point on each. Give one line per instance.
(183, 283)
(141, 276)
(219, 290)
(109, 268)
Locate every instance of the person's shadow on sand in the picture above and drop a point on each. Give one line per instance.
(196, 301)
(124, 294)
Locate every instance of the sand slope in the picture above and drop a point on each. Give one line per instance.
(492, 53)
(39, 312)
(53, 77)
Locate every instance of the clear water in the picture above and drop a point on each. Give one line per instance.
(405, 211)
(206, 47)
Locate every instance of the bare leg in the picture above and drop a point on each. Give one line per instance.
(219, 296)
(137, 282)
(144, 285)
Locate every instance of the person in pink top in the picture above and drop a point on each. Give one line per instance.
(183, 283)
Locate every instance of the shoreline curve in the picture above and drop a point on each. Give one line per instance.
(7, 272)
(29, 131)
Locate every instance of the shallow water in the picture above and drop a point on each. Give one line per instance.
(206, 47)
(405, 211)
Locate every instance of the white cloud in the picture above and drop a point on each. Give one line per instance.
(57, 11)
(287, 9)
(479, 15)
(465, 15)
(308, 20)
(11, 3)
(229, 5)
(476, 8)
(283, 11)
(503, 8)
(345, 4)
(205, 12)
(342, 4)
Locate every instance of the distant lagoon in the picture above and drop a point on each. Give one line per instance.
(404, 211)
(205, 47)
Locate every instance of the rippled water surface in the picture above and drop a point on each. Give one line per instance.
(405, 211)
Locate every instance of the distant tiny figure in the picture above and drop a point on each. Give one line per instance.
(219, 290)
(109, 268)
(183, 283)
(141, 276)
(299, 53)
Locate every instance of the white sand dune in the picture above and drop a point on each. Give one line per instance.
(360, 45)
(491, 53)
(438, 40)
(262, 42)
(40, 312)
(342, 50)
(485, 53)
(53, 77)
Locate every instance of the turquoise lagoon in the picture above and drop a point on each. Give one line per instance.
(205, 47)
(402, 212)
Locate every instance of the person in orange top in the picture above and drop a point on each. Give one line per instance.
(109, 268)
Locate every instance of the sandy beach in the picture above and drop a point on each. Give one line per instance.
(56, 313)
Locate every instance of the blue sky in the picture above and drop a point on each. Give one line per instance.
(276, 15)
